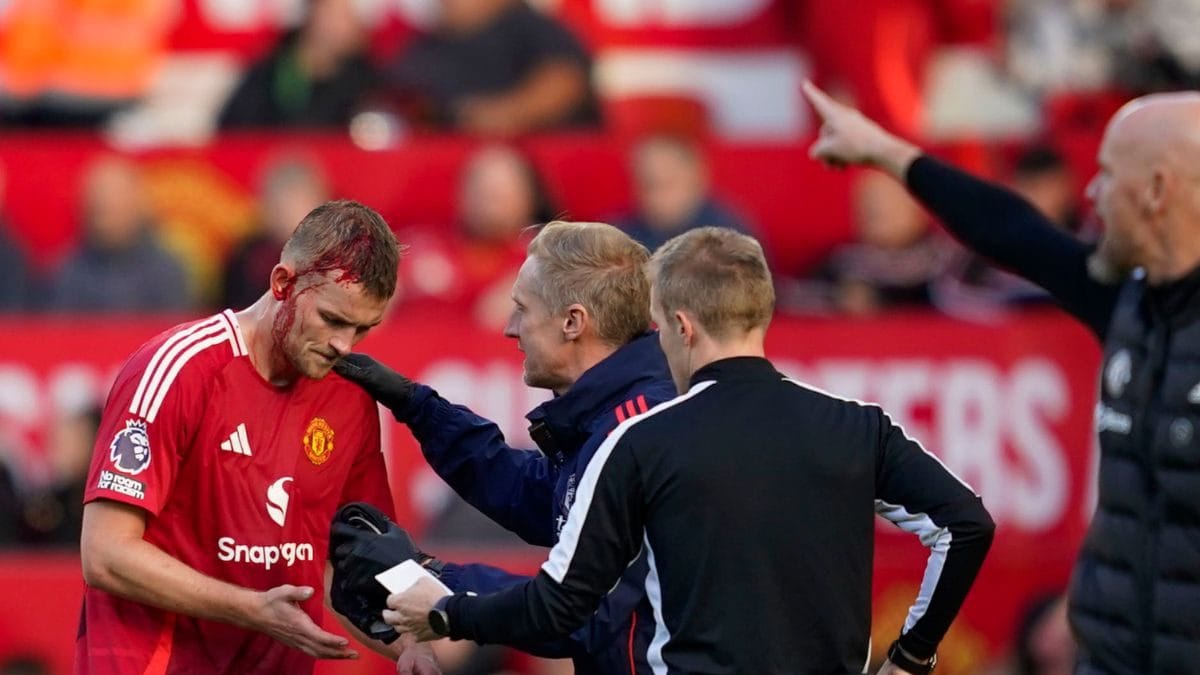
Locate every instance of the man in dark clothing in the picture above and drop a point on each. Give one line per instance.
(120, 266)
(1135, 594)
(752, 497)
(582, 320)
(496, 67)
(15, 279)
(316, 76)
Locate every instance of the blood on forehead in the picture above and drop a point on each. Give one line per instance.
(353, 255)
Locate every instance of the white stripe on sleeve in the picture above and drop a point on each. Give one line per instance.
(564, 551)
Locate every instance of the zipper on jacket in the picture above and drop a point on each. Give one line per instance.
(1148, 576)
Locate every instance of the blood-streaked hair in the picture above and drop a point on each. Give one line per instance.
(346, 236)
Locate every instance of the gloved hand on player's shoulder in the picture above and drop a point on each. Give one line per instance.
(384, 385)
(362, 543)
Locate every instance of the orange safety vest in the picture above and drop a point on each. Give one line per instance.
(89, 49)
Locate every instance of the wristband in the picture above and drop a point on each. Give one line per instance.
(905, 661)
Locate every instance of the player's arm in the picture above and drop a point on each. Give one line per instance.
(511, 486)
(365, 542)
(610, 619)
(117, 559)
(602, 535)
(991, 220)
(1009, 231)
(918, 494)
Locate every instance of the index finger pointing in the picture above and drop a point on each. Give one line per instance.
(822, 102)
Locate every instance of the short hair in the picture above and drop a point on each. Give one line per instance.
(718, 275)
(346, 235)
(599, 267)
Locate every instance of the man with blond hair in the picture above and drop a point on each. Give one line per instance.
(752, 497)
(581, 317)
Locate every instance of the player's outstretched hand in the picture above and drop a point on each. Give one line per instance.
(384, 385)
(279, 615)
(416, 658)
(848, 137)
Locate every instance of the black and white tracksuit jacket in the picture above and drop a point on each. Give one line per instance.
(754, 497)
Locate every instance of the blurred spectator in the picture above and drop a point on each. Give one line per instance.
(12, 512)
(15, 281)
(75, 63)
(500, 195)
(290, 189)
(1044, 642)
(14, 273)
(1161, 51)
(1041, 175)
(1044, 645)
(496, 67)
(316, 76)
(973, 288)
(119, 266)
(893, 264)
(24, 665)
(54, 513)
(1139, 46)
(1061, 46)
(671, 186)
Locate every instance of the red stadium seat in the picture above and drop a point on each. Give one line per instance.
(640, 115)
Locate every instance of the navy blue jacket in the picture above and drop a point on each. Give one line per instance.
(530, 492)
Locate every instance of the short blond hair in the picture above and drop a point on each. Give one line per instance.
(717, 275)
(597, 266)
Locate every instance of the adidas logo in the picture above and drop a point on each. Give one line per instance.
(237, 442)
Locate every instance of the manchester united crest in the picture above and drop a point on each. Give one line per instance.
(318, 441)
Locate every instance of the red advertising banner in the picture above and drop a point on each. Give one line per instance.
(1007, 407)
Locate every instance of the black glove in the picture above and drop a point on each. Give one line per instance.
(362, 543)
(384, 385)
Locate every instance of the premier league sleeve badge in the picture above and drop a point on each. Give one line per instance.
(130, 448)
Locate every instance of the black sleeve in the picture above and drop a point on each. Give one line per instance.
(1005, 229)
(602, 535)
(512, 486)
(921, 496)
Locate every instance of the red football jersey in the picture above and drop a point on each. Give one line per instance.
(240, 480)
